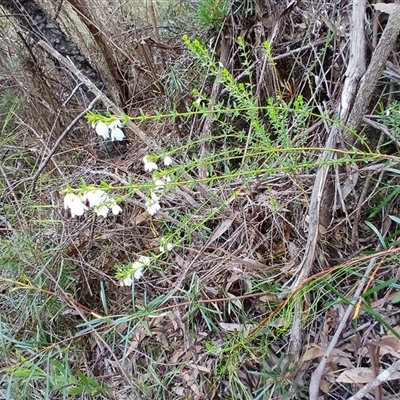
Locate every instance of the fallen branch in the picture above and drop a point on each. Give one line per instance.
(370, 79)
(61, 138)
(98, 93)
(353, 116)
(384, 376)
(355, 69)
(353, 75)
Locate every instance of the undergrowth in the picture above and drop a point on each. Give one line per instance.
(230, 324)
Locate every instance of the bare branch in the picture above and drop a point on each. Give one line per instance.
(92, 88)
(374, 72)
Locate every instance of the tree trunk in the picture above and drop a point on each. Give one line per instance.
(41, 26)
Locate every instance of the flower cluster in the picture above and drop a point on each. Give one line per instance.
(165, 245)
(112, 130)
(135, 271)
(150, 165)
(153, 202)
(96, 199)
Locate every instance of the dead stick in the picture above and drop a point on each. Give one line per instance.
(60, 139)
(318, 373)
(92, 88)
(384, 376)
(353, 73)
(374, 71)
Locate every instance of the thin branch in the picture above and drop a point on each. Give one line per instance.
(384, 376)
(369, 80)
(93, 89)
(317, 374)
(353, 73)
(61, 138)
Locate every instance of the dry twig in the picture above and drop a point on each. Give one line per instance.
(369, 80)
(381, 378)
(317, 374)
(97, 92)
(353, 74)
(61, 138)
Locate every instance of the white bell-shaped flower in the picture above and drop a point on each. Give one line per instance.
(153, 204)
(159, 185)
(115, 208)
(95, 197)
(126, 282)
(116, 132)
(165, 246)
(149, 165)
(137, 266)
(102, 210)
(153, 207)
(102, 130)
(74, 204)
(167, 161)
(137, 270)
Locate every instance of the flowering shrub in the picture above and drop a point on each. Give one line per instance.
(96, 199)
(99, 201)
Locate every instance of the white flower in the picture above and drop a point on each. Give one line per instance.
(159, 185)
(144, 260)
(136, 270)
(137, 266)
(159, 182)
(102, 210)
(152, 208)
(95, 197)
(116, 132)
(154, 197)
(149, 165)
(102, 130)
(126, 282)
(115, 208)
(166, 247)
(74, 203)
(152, 204)
(167, 161)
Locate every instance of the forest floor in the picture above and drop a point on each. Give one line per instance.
(219, 220)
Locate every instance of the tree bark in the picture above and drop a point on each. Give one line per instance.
(370, 79)
(41, 26)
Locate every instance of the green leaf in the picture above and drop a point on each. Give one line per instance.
(377, 233)
(395, 219)
(379, 287)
